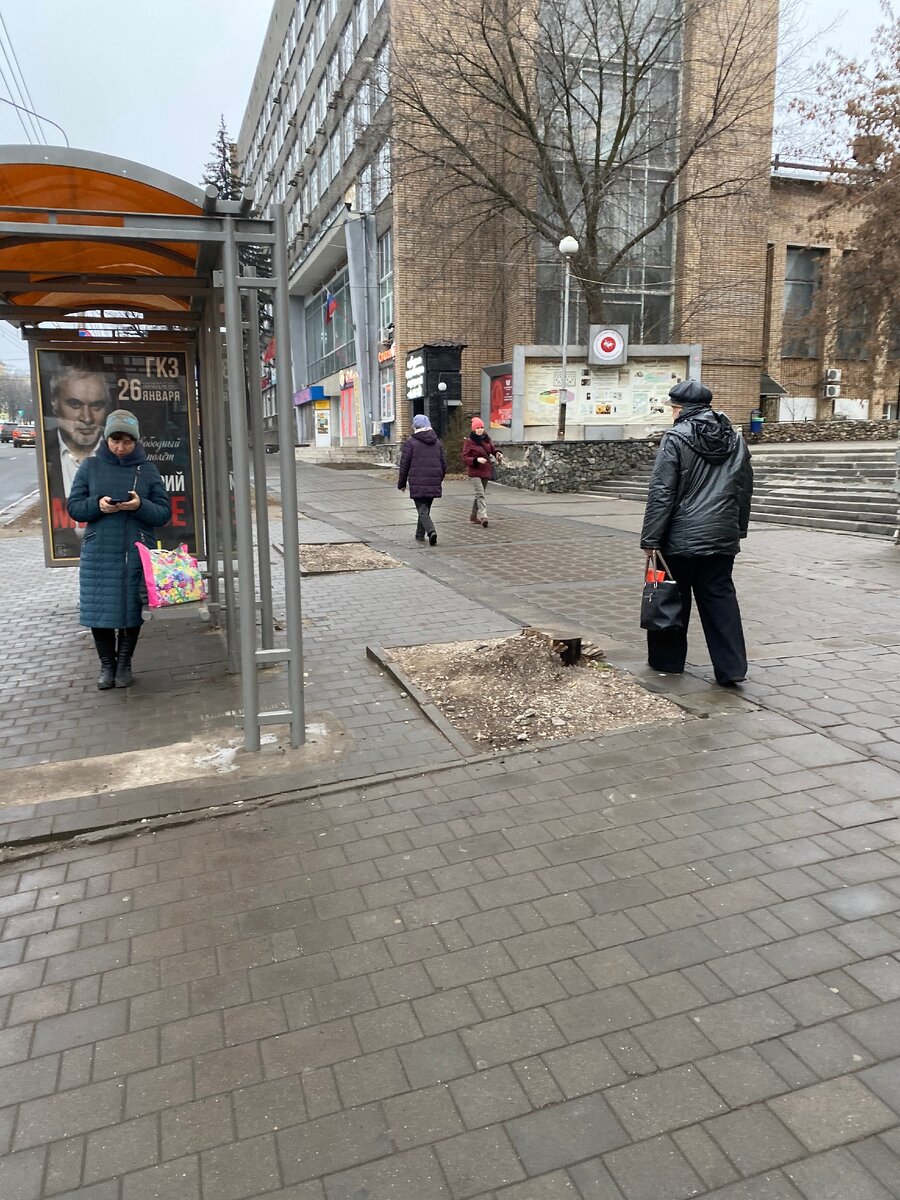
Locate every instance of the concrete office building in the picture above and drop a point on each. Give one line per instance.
(369, 281)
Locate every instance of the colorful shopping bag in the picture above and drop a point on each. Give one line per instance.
(171, 576)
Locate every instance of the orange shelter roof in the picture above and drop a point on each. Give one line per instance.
(41, 186)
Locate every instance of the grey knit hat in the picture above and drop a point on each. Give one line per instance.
(122, 421)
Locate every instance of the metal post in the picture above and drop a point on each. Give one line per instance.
(211, 510)
(223, 484)
(289, 514)
(263, 550)
(564, 393)
(237, 404)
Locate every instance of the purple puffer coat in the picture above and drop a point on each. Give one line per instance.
(422, 465)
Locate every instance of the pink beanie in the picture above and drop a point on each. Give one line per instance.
(477, 423)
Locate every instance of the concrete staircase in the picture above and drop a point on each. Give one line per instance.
(341, 457)
(845, 487)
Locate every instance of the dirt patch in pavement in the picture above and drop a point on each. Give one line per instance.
(505, 692)
(24, 524)
(342, 556)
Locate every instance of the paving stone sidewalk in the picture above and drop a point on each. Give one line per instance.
(613, 969)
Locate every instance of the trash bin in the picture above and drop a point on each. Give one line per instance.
(757, 420)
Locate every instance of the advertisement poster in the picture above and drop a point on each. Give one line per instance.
(77, 391)
(501, 401)
(596, 395)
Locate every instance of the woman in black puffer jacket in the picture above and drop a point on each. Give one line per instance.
(423, 466)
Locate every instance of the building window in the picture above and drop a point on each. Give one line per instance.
(386, 281)
(382, 173)
(348, 133)
(329, 344)
(320, 28)
(365, 191)
(347, 47)
(381, 76)
(386, 394)
(362, 20)
(334, 146)
(802, 316)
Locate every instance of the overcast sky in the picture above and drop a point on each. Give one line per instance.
(147, 79)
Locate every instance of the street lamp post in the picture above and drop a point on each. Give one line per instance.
(567, 247)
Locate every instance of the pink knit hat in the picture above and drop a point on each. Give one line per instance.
(477, 423)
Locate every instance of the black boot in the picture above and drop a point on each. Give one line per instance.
(105, 641)
(127, 642)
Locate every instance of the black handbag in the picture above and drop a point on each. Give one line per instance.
(662, 610)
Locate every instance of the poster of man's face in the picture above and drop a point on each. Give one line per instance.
(78, 389)
(80, 401)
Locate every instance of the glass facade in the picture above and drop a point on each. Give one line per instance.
(329, 343)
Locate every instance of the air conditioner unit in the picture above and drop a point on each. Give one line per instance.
(292, 121)
(386, 334)
(833, 375)
(832, 390)
(269, 175)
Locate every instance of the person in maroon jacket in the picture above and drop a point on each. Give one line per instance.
(423, 466)
(477, 452)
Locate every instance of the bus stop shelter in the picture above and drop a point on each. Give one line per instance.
(136, 259)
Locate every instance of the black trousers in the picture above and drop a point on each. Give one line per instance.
(424, 525)
(708, 577)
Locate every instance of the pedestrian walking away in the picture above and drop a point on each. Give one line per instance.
(698, 510)
(477, 452)
(423, 466)
(121, 497)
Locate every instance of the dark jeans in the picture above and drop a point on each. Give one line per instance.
(709, 578)
(424, 525)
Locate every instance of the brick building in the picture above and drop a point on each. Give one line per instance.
(378, 268)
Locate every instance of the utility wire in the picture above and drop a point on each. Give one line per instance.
(12, 103)
(18, 107)
(27, 103)
(24, 94)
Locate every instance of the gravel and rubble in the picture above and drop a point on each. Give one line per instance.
(503, 692)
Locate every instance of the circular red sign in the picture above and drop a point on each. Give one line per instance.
(608, 345)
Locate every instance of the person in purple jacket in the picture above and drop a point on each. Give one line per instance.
(423, 466)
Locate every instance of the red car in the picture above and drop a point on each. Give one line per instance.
(23, 435)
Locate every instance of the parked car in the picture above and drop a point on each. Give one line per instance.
(23, 435)
(6, 431)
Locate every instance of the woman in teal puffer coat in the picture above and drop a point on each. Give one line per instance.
(120, 495)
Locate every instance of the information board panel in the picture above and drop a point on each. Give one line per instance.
(628, 394)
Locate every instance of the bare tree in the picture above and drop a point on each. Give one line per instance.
(601, 119)
(854, 118)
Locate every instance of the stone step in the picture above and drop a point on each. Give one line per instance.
(823, 473)
(799, 505)
(828, 524)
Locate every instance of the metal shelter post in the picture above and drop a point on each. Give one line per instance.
(237, 405)
(263, 549)
(223, 484)
(211, 509)
(289, 513)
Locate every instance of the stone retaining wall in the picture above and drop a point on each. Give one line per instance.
(830, 431)
(561, 466)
